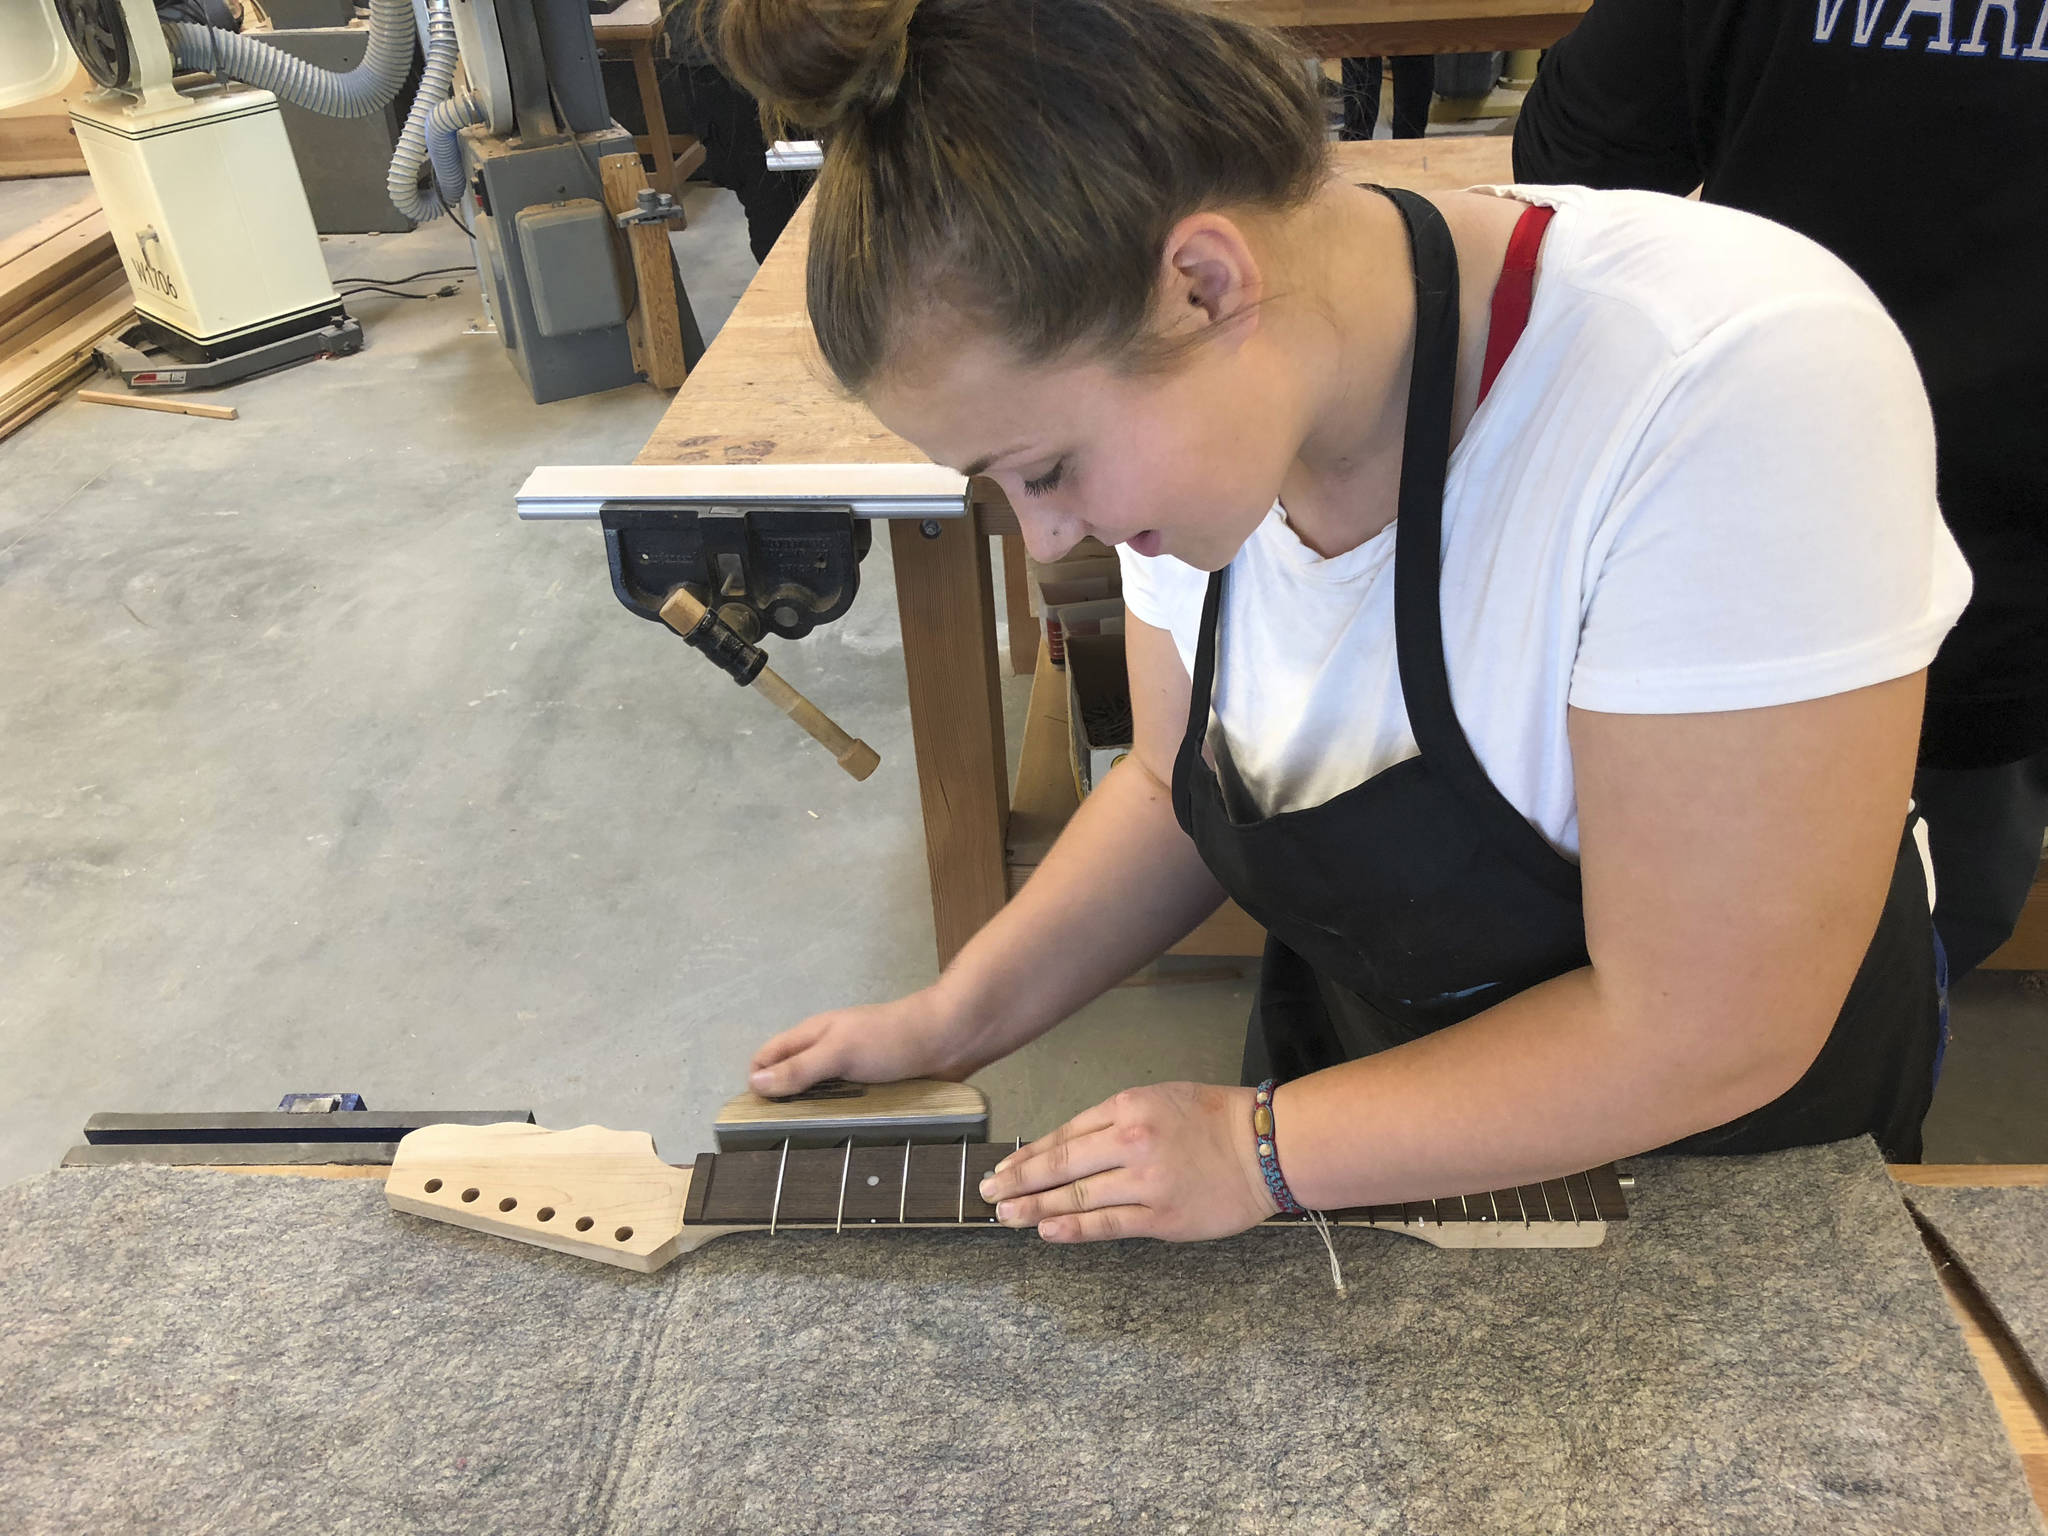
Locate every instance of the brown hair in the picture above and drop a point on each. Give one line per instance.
(1020, 162)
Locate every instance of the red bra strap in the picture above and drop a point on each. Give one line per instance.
(1513, 293)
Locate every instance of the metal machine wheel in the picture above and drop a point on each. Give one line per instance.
(98, 30)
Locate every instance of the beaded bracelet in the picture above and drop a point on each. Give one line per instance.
(1269, 1159)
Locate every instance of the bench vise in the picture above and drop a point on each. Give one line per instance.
(724, 554)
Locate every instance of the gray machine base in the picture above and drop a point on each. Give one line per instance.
(144, 373)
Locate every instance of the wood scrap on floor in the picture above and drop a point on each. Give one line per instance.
(62, 289)
(172, 403)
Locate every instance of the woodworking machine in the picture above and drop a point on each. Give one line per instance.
(188, 153)
(728, 553)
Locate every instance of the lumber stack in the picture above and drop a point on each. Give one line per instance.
(62, 289)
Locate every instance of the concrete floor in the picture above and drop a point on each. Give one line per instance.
(319, 771)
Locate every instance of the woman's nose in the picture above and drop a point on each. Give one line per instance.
(1049, 536)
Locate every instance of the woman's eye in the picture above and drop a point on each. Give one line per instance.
(1047, 481)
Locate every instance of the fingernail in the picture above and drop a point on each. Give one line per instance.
(987, 1188)
(761, 1080)
(1006, 1211)
(999, 1167)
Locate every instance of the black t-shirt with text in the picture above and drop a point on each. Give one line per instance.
(1910, 137)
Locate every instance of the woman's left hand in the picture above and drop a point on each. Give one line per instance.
(1174, 1161)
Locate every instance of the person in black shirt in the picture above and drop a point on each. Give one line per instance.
(1414, 89)
(1910, 137)
(698, 97)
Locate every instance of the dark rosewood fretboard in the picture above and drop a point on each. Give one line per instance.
(937, 1184)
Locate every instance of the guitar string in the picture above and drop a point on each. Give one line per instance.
(1317, 1219)
(775, 1211)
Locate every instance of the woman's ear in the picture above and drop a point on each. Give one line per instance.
(1209, 275)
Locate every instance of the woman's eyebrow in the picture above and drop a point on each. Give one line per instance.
(980, 465)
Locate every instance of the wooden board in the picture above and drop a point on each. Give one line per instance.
(10, 424)
(55, 261)
(57, 308)
(171, 404)
(59, 355)
(655, 328)
(23, 241)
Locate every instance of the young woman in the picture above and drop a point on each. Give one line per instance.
(1530, 591)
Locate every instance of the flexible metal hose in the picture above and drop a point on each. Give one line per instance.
(410, 195)
(357, 93)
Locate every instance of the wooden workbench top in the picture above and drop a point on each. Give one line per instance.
(762, 394)
(637, 21)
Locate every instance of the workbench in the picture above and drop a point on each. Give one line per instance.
(634, 32)
(2014, 1389)
(1343, 29)
(761, 396)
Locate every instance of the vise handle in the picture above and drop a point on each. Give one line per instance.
(690, 619)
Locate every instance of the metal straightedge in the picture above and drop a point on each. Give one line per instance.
(867, 490)
(767, 548)
(795, 155)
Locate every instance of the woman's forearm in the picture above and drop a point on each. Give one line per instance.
(1119, 887)
(1559, 1078)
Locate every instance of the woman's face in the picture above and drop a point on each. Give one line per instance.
(1185, 461)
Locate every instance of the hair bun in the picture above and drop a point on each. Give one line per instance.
(816, 62)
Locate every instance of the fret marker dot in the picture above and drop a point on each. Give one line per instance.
(873, 1180)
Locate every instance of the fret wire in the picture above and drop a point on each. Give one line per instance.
(775, 1211)
(1544, 1190)
(839, 1221)
(903, 1186)
(1490, 1200)
(960, 1219)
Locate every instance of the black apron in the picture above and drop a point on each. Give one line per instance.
(1422, 896)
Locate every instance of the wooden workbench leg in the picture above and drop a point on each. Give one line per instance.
(1017, 600)
(945, 596)
(664, 177)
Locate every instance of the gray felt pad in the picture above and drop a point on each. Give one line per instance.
(2001, 1237)
(1762, 1348)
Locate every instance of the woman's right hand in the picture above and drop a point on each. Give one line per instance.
(915, 1036)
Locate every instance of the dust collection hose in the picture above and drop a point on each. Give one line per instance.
(357, 93)
(431, 125)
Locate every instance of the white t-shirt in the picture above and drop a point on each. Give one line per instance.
(1703, 480)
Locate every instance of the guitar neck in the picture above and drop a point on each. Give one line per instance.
(928, 1185)
(606, 1195)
